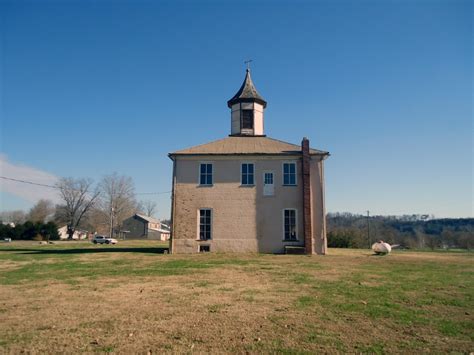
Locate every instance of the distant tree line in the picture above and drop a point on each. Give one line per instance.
(346, 230)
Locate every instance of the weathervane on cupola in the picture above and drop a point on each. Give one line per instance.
(248, 63)
(247, 109)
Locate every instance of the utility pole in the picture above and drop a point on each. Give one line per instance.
(368, 229)
(111, 222)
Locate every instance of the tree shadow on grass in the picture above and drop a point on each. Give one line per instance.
(155, 250)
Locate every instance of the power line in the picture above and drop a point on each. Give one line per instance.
(56, 187)
(28, 182)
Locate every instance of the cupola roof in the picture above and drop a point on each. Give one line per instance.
(247, 93)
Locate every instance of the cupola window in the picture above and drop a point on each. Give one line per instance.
(247, 119)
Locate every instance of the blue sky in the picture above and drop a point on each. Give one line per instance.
(94, 87)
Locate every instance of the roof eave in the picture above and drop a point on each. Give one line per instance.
(247, 135)
(320, 153)
(295, 153)
(236, 100)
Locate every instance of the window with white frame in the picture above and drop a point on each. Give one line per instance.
(205, 174)
(289, 224)
(289, 174)
(205, 224)
(247, 174)
(268, 179)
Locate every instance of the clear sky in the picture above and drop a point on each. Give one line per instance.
(94, 87)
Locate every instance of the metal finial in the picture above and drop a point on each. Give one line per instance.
(247, 62)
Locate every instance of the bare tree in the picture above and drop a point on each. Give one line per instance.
(78, 199)
(117, 199)
(41, 211)
(16, 217)
(147, 207)
(97, 221)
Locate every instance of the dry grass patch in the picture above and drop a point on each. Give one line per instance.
(132, 299)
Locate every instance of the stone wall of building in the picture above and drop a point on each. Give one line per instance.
(242, 218)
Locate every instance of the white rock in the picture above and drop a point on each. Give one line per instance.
(381, 247)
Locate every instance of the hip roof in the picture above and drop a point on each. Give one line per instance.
(246, 145)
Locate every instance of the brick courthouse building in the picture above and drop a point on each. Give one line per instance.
(248, 192)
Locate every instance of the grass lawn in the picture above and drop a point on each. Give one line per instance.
(131, 298)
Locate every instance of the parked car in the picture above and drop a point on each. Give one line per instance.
(100, 239)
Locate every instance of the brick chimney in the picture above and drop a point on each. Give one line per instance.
(308, 229)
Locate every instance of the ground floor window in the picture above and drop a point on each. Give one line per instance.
(205, 224)
(289, 223)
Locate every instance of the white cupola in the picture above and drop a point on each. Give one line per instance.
(247, 110)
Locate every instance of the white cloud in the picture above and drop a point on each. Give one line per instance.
(31, 193)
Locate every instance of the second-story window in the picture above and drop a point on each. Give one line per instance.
(289, 174)
(247, 174)
(205, 174)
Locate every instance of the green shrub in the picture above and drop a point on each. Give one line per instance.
(30, 231)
